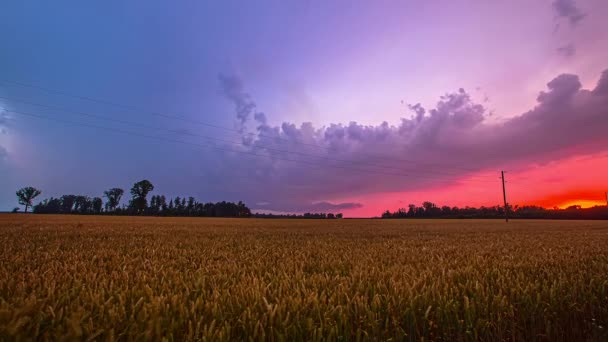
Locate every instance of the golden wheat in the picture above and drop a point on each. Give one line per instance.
(111, 278)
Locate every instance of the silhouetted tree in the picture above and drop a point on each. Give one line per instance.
(190, 206)
(97, 204)
(83, 205)
(178, 206)
(140, 191)
(243, 211)
(48, 206)
(155, 205)
(163, 203)
(428, 209)
(26, 195)
(411, 209)
(113, 195)
(445, 210)
(67, 203)
(170, 208)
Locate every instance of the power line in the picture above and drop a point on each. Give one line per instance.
(81, 113)
(215, 147)
(231, 150)
(185, 119)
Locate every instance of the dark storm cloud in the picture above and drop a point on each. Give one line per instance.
(431, 148)
(569, 10)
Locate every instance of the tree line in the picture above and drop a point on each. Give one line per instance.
(137, 205)
(430, 210)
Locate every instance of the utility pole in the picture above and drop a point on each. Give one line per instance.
(606, 198)
(504, 196)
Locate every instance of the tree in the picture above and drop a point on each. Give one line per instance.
(27, 195)
(243, 211)
(67, 203)
(170, 208)
(178, 206)
(82, 204)
(411, 209)
(191, 204)
(113, 195)
(162, 201)
(48, 206)
(140, 191)
(155, 205)
(97, 205)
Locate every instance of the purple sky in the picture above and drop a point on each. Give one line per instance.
(500, 85)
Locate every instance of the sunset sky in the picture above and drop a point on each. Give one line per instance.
(295, 106)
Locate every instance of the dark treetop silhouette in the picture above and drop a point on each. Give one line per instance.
(113, 195)
(138, 205)
(26, 195)
(182, 206)
(430, 210)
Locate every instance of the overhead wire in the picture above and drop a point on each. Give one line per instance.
(238, 151)
(198, 122)
(269, 148)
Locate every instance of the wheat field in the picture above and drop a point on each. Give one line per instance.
(142, 278)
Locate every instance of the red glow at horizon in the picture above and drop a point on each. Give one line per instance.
(563, 183)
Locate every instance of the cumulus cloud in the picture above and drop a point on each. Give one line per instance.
(567, 50)
(568, 9)
(306, 168)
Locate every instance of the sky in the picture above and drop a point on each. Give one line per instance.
(296, 106)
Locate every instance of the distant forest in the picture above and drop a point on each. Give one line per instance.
(137, 205)
(189, 206)
(430, 210)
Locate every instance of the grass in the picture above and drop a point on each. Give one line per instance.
(111, 278)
